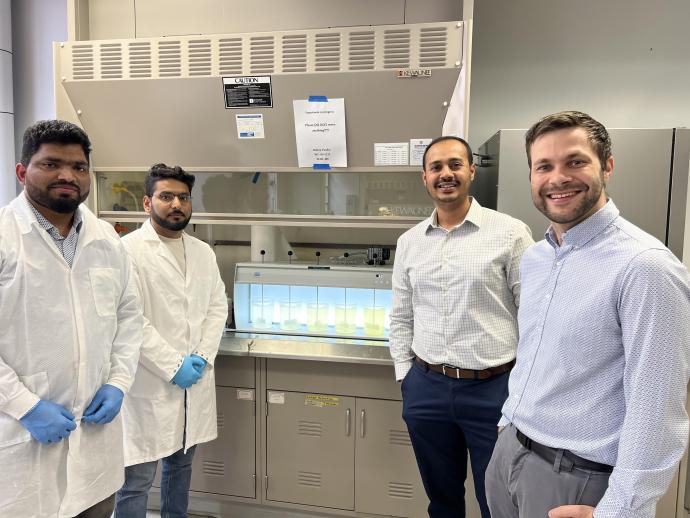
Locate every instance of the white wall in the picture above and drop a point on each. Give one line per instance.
(626, 62)
(7, 182)
(35, 25)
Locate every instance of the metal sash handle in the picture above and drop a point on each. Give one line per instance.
(361, 423)
(347, 422)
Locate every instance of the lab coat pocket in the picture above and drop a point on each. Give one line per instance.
(11, 430)
(105, 289)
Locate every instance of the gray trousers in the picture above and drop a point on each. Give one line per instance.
(519, 483)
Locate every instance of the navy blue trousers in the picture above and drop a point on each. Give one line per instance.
(445, 418)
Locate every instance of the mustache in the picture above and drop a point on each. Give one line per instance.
(62, 182)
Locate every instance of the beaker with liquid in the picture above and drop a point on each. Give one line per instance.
(345, 319)
(317, 317)
(262, 313)
(374, 318)
(290, 313)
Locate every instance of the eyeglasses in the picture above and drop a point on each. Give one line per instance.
(168, 197)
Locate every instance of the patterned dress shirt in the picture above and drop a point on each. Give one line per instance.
(456, 292)
(602, 363)
(67, 245)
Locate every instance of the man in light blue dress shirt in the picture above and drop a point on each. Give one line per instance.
(595, 421)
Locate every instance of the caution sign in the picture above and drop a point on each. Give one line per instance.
(248, 92)
(320, 400)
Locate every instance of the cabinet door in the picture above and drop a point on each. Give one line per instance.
(310, 449)
(386, 475)
(227, 465)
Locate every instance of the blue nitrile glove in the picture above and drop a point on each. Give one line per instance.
(186, 375)
(198, 363)
(104, 406)
(48, 422)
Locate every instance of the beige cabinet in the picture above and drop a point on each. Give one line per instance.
(341, 452)
(310, 445)
(227, 465)
(386, 477)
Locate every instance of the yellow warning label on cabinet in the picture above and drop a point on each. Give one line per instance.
(321, 401)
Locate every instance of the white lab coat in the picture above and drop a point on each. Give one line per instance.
(63, 333)
(183, 314)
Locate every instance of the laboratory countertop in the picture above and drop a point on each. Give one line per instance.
(301, 347)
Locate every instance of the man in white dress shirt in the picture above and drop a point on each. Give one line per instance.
(453, 327)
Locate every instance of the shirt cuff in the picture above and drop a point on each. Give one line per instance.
(401, 369)
(503, 421)
(20, 405)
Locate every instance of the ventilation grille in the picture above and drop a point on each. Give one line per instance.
(399, 438)
(220, 419)
(169, 58)
(432, 47)
(400, 490)
(139, 59)
(346, 49)
(199, 52)
(396, 48)
(213, 468)
(309, 428)
(362, 50)
(308, 479)
(294, 53)
(111, 60)
(230, 56)
(82, 62)
(261, 54)
(327, 52)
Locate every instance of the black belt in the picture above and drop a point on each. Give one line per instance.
(568, 459)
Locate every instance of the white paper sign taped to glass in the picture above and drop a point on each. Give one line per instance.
(248, 92)
(320, 133)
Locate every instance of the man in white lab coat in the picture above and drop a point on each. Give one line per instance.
(71, 327)
(172, 405)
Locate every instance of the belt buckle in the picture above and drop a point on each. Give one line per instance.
(457, 371)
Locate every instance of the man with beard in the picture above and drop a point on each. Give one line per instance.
(596, 421)
(172, 404)
(453, 328)
(71, 330)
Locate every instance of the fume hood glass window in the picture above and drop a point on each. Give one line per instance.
(290, 193)
(318, 310)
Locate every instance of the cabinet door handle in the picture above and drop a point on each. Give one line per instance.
(361, 422)
(347, 422)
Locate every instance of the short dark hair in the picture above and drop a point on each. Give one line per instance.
(163, 172)
(52, 132)
(447, 137)
(596, 132)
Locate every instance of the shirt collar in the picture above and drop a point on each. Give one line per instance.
(474, 216)
(48, 226)
(583, 232)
